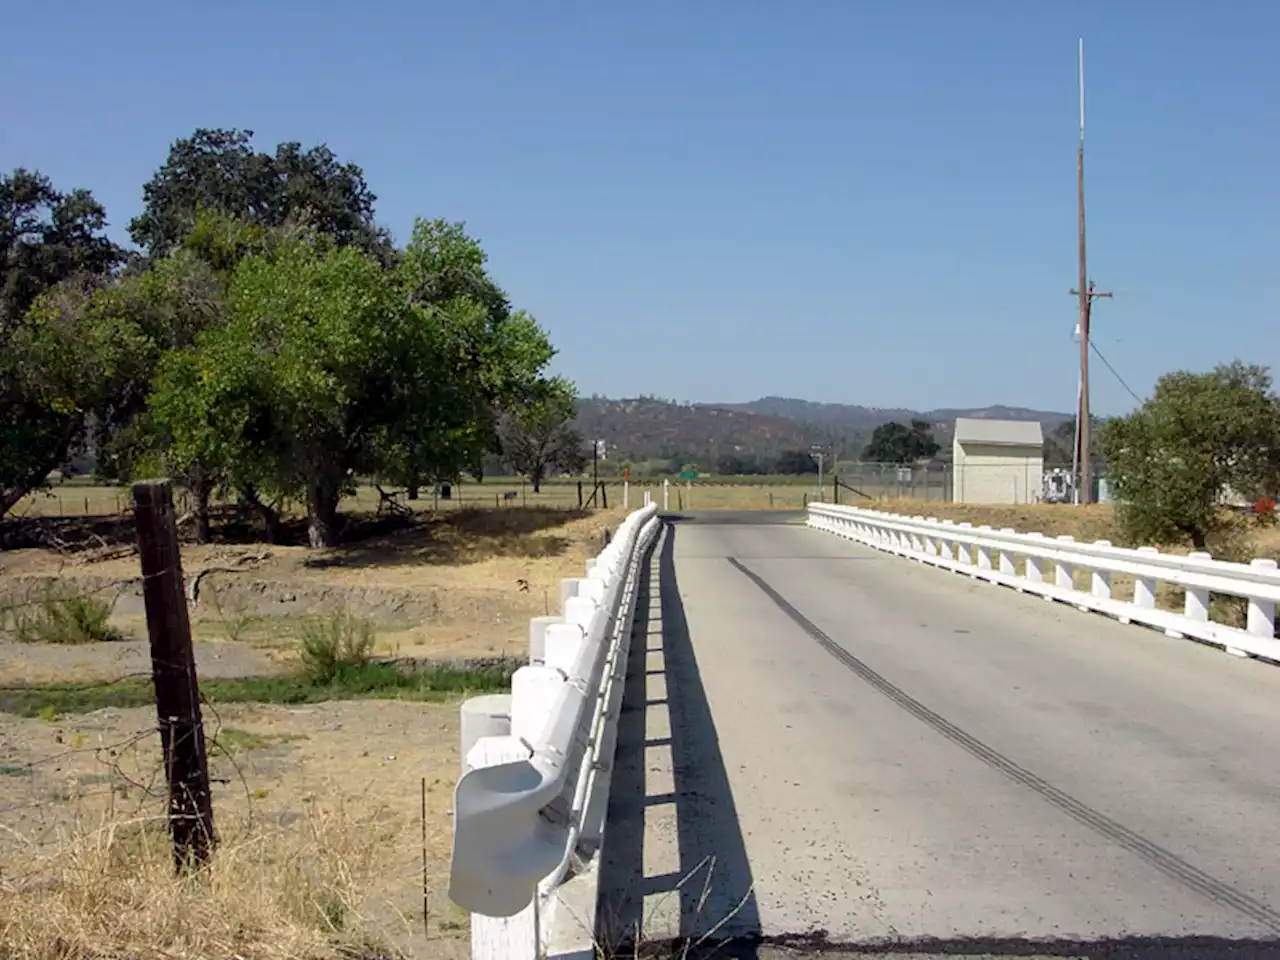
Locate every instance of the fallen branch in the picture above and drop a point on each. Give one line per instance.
(238, 565)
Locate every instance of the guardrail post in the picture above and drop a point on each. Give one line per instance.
(1144, 589)
(962, 549)
(1100, 580)
(502, 938)
(917, 539)
(1035, 572)
(538, 637)
(946, 547)
(486, 716)
(1196, 604)
(984, 551)
(1063, 575)
(1007, 566)
(931, 541)
(1262, 613)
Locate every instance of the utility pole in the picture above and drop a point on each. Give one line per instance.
(1085, 295)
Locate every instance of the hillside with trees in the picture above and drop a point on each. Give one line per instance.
(752, 436)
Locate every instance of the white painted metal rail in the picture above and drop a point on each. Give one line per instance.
(529, 809)
(1034, 563)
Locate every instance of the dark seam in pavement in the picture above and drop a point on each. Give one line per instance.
(1168, 863)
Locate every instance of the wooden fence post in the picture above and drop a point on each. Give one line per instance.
(174, 672)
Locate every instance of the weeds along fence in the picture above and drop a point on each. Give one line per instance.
(534, 792)
(1085, 575)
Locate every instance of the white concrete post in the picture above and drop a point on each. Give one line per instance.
(507, 937)
(1063, 574)
(1100, 580)
(962, 548)
(1196, 606)
(947, 547)
(538, 635)
(1262, 613)
(1007, 566)
(626, 495)
(1144, 588)
(984, 552)
(533, 695)
(666, 494)
(1035, 572)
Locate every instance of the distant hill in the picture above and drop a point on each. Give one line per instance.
(852, 418)
(651, 429)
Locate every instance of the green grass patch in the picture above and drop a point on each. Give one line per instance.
(9, 770)
(63, 615)
(370, 681)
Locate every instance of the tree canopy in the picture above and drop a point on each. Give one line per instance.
(899, 443)
(219, 170)
(1201, 437)
(537, 435)
(272, 344)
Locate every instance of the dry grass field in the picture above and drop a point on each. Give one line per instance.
(317, 803)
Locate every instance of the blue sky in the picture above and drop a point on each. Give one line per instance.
(863, 202)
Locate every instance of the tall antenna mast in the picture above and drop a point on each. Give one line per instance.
(1085, 294)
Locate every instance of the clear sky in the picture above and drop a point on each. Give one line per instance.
(863, 202)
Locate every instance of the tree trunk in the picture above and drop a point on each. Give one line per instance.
(199, 488)
(415, 482)
(1198, 539)
(536, 479)
(266, 513)
(322, 514)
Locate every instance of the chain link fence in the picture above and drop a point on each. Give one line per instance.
(861, 480)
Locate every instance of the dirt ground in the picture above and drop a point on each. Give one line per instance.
(462, 585)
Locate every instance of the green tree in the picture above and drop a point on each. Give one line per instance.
(796, 463)
(1200, 436)
(219, 170)
(308, 372)
(47, 239)
(538, 436)
(77, 354)
(898, 443)
(494, 361)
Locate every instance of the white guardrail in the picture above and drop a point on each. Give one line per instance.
(529, 810)
(1048, 568)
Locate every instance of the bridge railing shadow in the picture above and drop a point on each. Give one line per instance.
(712, 888)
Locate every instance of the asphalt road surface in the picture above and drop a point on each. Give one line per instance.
(824, 747)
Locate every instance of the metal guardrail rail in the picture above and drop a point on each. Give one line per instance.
(529, 808)
(1048, 568)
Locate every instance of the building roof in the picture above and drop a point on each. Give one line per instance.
(1013, 433)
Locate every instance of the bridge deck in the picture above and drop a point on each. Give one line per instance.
(821, 740)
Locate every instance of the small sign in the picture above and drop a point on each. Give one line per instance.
(688, 475)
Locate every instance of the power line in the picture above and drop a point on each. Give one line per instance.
(1107, 363)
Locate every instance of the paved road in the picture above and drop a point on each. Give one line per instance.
(823, 745)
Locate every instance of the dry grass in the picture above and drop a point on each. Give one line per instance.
(1090, 522)
(319, 854)
(705, 496)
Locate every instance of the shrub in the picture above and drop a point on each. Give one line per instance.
(65, 615)
(338, 645)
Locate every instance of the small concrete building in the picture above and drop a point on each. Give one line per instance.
(997, 461)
